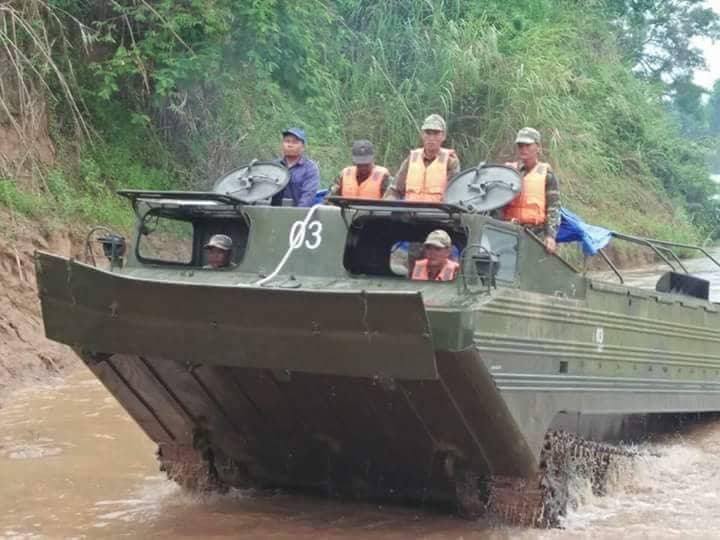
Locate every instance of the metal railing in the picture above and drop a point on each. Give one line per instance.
(662, 248)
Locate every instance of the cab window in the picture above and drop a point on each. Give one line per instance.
(178, 238)
(166, 240)
(388, 246)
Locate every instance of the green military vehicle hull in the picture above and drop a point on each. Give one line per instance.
(336, 375)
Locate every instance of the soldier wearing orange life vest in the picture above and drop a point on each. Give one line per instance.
(538, 204)
(364, 179)
(424, 174)
(436, 266)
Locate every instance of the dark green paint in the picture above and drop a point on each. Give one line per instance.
(463, 373)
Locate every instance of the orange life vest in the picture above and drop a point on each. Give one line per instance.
(529, 207)
(448, 272)
(427, 183)
(370, 188)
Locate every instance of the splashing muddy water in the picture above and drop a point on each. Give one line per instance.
(74, 465)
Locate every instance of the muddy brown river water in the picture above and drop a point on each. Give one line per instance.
(74, 465)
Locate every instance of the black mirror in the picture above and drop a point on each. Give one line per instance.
(486, 266)
(114, 247)
(479, 267)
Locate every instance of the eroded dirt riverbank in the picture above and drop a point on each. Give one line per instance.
(26, 356)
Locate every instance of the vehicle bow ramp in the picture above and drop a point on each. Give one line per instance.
(339, 392)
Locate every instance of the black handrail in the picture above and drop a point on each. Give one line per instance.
(661, 249)
(611, 265)
(666, 244)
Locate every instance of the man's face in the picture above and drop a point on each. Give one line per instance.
(432, 140)
(292, 147)
(364, 170)
(437, 256)
(528, 152)
(218, 258)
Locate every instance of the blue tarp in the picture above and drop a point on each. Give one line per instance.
(574, 229)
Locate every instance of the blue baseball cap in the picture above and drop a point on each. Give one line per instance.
(296, 131)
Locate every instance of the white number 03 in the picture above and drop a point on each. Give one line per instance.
(298, 234)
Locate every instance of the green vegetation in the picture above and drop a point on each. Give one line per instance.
(171, 93)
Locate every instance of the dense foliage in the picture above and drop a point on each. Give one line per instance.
(186, 89)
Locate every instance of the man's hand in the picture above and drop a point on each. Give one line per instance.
(550, 245)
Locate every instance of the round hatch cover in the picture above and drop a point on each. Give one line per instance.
(256, 181)
(483, 188)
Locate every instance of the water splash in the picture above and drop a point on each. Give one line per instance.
(671, 490)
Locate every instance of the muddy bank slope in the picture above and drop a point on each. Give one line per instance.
(26, 356)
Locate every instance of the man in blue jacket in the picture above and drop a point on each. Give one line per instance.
(304, 172)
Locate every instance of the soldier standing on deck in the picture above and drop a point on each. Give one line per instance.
(424, 174)
(364, 179)
(538, 204)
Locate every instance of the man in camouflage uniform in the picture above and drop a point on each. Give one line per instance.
(538, 204)
(439, 165)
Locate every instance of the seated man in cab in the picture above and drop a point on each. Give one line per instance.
(424, 174)
(538, 204)
(437, 265)
(219, 250)
(364, 179)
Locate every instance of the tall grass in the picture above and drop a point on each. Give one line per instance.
(560, 70)
(374, 69)
(36, 52)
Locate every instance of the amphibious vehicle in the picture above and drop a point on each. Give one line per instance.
(313, 363)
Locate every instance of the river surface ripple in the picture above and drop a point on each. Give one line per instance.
(74, 465)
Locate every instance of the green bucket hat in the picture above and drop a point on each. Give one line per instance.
(438, 238)
(527, 135)
(434, 122)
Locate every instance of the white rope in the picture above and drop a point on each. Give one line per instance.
(296, 240)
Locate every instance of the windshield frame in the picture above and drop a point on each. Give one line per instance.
(177, 216)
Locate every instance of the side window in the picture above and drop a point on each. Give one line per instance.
(505, 246)
(390, 246)
(166, 240)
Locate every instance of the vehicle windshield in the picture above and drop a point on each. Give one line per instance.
(180, 237)
(166, 240)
